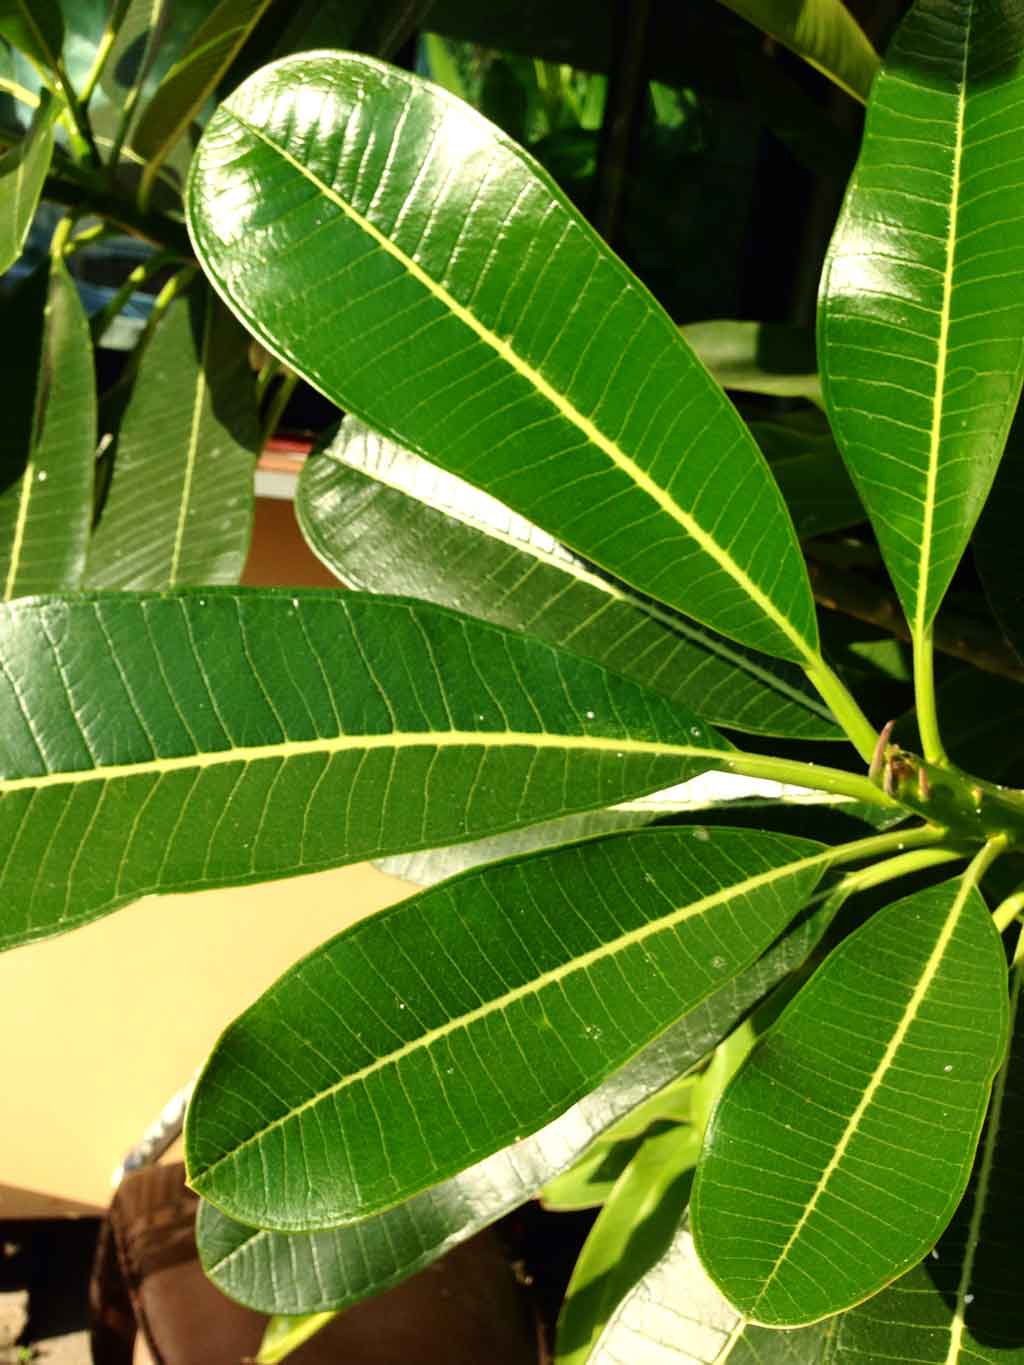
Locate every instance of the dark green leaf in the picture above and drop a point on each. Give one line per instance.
(417, 266)
(308, 1272)
(22, 172)
(823, 32)
(176, 741)
(383, 519)
(921, 324)
(179, 509)
(35, 27)
(49, 437)
(962, 1304)
(840, 1151)
(475, 1013)
(999, 546)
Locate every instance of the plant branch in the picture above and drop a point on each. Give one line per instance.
(924, 694)
(917, 860)
(984, 858)
(895, 841)
(79, 117)
(74, 188)
(138, 277)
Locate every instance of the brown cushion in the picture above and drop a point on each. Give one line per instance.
(465, 1309)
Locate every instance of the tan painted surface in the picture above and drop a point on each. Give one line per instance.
(100, 1027)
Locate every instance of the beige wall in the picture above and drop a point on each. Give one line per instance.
(100, 1027)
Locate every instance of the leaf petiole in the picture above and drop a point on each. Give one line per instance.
(924, 693)
(796, 773)
(844, 706)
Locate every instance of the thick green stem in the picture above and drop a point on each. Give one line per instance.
(893, 868)
(924, 693)
(59, 240)
(985, 857)
(811, 775)
(75, 188)
(895, 841)
(844, 706)
(79, 118)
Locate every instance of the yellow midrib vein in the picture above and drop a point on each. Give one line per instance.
(935, 434)
(298, 748)
(568, 410)
(910, 1013)
(538, 983)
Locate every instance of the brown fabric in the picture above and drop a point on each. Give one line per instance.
(463, 1310)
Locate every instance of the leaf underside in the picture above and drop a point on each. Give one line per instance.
(386, 520)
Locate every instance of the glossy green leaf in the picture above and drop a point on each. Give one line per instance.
(386, 520)
(179, 508)
(421, 270)
(998, 545)
(473, 1014)
(22, 173)
(48, 438)
(823, 32)
(675, 1315)
(173, 742)
(310, 1272)
(758, 357)
(921, 322)
(35, 27)
(962, 1305)
(193, 78)
(633, 1231)
(841, 1150)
